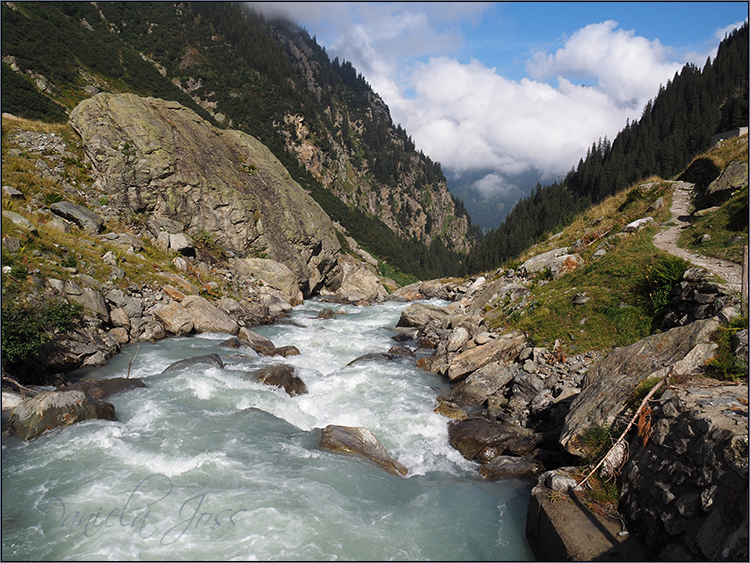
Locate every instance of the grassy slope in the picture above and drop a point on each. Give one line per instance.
(52, 253)
(728, 226)
(622, 284)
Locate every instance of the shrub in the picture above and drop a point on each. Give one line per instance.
(596, 441)
(661, 278)
(28, 326)
(725, 365)
(52, 197)
(70, 261)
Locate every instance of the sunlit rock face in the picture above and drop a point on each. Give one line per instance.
(161, 159)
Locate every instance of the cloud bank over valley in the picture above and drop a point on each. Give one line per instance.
(534, 116)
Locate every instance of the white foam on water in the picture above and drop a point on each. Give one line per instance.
(230, 446)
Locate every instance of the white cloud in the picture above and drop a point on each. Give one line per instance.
(625, 67)
(493, 184)
(469, 117)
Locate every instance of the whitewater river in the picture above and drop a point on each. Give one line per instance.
(207, 464)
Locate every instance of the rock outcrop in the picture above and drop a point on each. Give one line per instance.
(608, 387)
(697, 296)
(355, 281)
(733, 177)
(685, 491)
(162, 159)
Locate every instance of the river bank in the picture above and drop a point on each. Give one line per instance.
(523, 398)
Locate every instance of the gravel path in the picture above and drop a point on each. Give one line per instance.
(667, 240)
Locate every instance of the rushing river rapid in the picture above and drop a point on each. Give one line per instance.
(208, 464)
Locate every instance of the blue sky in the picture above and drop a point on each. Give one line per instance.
(501, 90)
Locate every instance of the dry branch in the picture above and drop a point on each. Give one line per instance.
(642, 406)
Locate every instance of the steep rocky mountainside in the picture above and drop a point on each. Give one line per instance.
(267, 78)
(147, 221)
(162, 160)
(409, 197)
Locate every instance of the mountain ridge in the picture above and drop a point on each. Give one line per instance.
(268, 78)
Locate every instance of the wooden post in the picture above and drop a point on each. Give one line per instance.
(744, 279)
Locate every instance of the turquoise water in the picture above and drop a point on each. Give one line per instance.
(208, 464)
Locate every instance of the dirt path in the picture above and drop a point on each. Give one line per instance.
(667, 240)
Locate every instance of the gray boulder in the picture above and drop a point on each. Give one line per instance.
(208, 360)
(55, 409)
(484, 440)
(283, 351)
(362, 442)
(84, 218)
(180, 242)
(420, 314)
(273, 274)
(542, 261)
(91, 300)
(733, 177)
(486, 381)
(357, 282)
(255, 340)
(511, 467)
(149, 330)
(283, 376)
(457, 339)
(207, 318)
(13, 193)
(78, 347)
(374, 356)
(20, 221)
(505, 348)
(175, 318)
(106, 387)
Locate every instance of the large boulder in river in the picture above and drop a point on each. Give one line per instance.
(273, 274)
(355, 282)
(256, 341)
(106, 387)
(54, 409)
(283, 351)
(208, 318)
(159, 158)
(283, 376)
(612, 383)
(360, 441)
(208, 360)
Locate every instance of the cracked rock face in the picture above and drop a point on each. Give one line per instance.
(161, 159)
